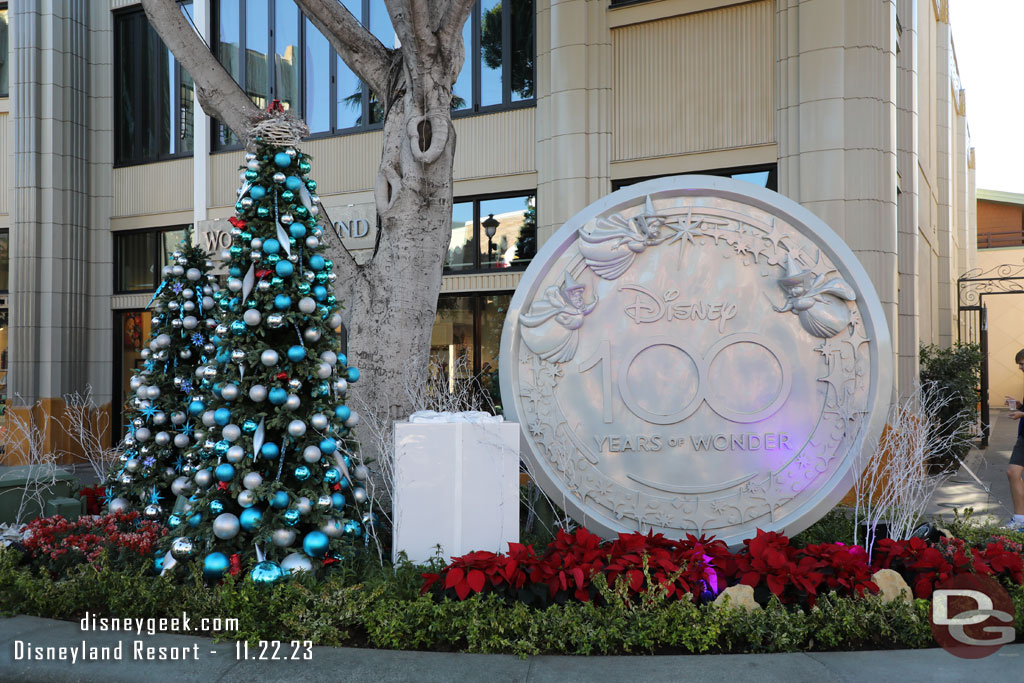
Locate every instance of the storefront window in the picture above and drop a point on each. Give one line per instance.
(464, 344)
(131, 335)
(493, 233)
(141, 255)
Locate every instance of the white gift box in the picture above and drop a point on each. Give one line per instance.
(456, 486)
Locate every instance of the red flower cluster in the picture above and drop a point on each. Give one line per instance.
(923, 564)
(57, 543)
(93, 496)
(692, 568)
(699, 568)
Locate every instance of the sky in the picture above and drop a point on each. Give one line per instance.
(987, 36)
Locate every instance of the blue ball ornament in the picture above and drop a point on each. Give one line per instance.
(342, 412)
(222, 416)
(225, 471)
(353, 374)
(271, 246)
(302, 473)
(343, 484)
(338, 501)
(174, 521)
(316, 262)
(250, 518)
(214, 566)
(282, 160)
(315, 544)
(249, 426)
(252, 175)
(342, 360)
(297, 230)
(195, 520)
(266, 572)
(280, 500)
(277, 396)
(262, 211)
(328, 446)
(296, 353)
(293, 183)
(196, 408)
(284, 268)
(221, 448)
(216, 507)
(273, 259)
(353, 528)
(158, 562)
(257, 192)
(320, 292)
(234, 271)
(270, 451)
(291, 516)
(237, 327)
(282, 302)
(332, 475)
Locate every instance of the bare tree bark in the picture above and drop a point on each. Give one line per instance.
(391, 300)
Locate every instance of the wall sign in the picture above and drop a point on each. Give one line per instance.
(696, 355)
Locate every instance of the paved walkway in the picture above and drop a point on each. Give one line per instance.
(962, 490)
(218, 662)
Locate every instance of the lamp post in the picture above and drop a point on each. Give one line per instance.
(490, 228)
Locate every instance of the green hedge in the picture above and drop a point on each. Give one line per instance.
(386, 613)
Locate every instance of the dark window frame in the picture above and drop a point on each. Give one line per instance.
(7, 57)
(7, 232)
(476, 268)
(123, 160)
(158, 261)
(472, 52)
(772, 182)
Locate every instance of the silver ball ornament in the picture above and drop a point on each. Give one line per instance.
(182, 548)
(178, 417)
(133, 465)
(235, 454)
(181, 441)
(329, 357)
(312, 242)
(296, 428)
(269, 357)
(323, 371)
(352, 420)
(181, 486)
(311, 334)
(278, 177)
(142, 434)
(252, 317)
(361, 472)
(231, 432)
(294, 384)
(275, 320)
(258, 393)
(237, 356)
(163, 340)
(203, 478)
(292, 402)
(333, 528)
(246, 498)
(296, 562)
(307, 305)
(324, 502)
(226, 526)
(283, 538)
(311, 454)
(304, 505)
(229, 392)
(162, 438)
(319, 422)
(359, 494)
(252, 480)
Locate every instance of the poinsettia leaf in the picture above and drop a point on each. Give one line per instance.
(475, 579)
(454, 577)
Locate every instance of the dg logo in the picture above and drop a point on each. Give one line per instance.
(743, 378)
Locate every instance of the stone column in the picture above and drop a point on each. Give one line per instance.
(907, 160)
(50, 309)
(573, 109)
(836, 126)
(946, 302)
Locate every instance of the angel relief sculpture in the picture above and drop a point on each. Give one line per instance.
(551, 327)
(820, 304)
(610, 248)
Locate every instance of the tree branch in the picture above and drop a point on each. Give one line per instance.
(359, 48)
(454, 19)
(218, 93)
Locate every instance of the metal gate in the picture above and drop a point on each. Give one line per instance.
(972, 318)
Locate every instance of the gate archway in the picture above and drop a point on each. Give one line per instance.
(972, 318)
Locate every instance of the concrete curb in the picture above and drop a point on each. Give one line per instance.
(217, 662)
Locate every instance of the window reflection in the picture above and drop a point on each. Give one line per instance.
(460, 249)
(522, 53)
(462, 91)
(256, 46)
(493, 233)
(4, 54)
(135, 261)
(286, 54)
(464, 345)
(318, 80)
(490, 52)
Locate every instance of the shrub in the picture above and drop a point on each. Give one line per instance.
(956, 373)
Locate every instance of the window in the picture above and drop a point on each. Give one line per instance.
(140, 257)
(307, 73)
(765, 175)
(153, 117)
(131, 332)
(4, 52)
(492, 233)
(465, 340)
(5, 259)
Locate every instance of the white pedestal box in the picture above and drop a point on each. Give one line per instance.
(457, 486)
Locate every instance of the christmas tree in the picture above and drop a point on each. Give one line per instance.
(149, 472)
(275, 485)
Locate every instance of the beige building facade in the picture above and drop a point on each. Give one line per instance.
(853, 108)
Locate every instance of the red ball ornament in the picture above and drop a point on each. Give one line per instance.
(282, 376)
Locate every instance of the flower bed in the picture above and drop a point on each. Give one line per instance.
(699, 568)
(57, 544)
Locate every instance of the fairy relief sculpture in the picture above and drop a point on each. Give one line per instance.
(820, 305)
(610, 248)
(551, 327)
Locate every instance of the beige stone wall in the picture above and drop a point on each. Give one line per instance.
(1005, 329)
